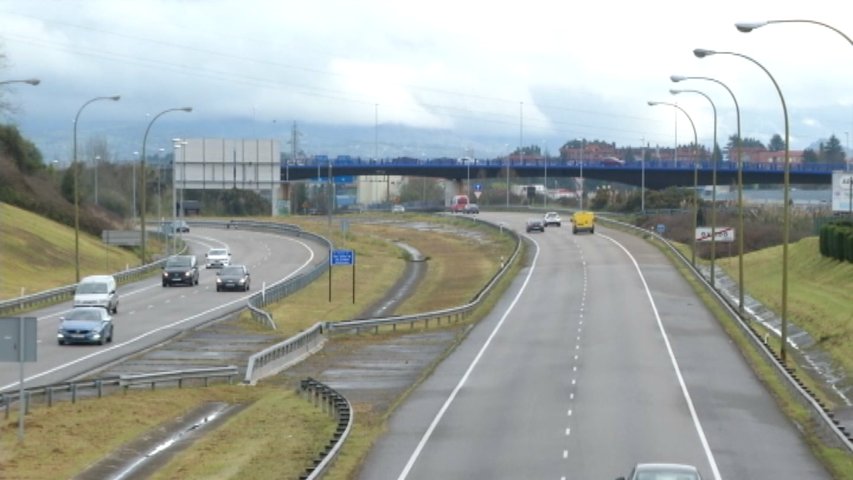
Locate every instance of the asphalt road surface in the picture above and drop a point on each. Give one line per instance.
(149, 313)
(598, 357)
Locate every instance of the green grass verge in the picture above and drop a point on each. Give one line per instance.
(38, 254)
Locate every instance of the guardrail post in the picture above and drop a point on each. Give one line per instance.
(100, 386)
(73, 393)
(181, 382)
(7, 402)
(27, 396)
(49, 393)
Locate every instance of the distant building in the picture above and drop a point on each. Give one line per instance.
(762, 155)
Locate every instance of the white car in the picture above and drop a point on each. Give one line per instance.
(217, 258)
(552, 218)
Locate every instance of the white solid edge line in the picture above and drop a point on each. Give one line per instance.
(696, 423)
(426, 436)
(151, 332)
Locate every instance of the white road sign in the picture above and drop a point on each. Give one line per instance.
(723, 234)
(842, 189)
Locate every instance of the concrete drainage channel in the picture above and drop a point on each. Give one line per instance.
(140, 458)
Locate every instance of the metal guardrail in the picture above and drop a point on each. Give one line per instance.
(277, 291)
(256, 302)
(101, 386)
(283, 354)
(747, 326)
(277, 357)
(340, 407)
(61, 294)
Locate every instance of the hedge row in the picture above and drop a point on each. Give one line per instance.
(836, 240)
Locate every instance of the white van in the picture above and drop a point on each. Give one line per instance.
(97, 291)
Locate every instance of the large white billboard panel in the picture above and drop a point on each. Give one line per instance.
(842, 189)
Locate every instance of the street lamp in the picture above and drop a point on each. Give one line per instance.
(545, 200)
(114, 98)
(178, 144)
(740, 232)
(713, 183)
(695, 175)
(133, 188)
(97, 160)
(580, 200)
(142, 172)
(702, 53)
(747, 27)
(30, 81)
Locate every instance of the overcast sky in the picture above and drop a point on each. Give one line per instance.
(488, 74)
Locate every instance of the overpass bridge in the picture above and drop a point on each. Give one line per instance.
(658, 175)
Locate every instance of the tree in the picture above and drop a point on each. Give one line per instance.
(423, 189)
(831, 151)
(809, 156)
(776, 143)
(746, 142)
(23, 152)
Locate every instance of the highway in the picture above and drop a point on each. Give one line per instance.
(597, 357)
(148, 313)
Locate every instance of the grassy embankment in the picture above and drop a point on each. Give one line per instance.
(71, 441)
(38, 254)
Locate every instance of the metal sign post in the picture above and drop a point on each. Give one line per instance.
(18, 344)
(342, 257)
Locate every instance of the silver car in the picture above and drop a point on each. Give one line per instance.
(663, 471)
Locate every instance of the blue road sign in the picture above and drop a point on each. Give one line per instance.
(478, 187)
(342, 257)
(660, 228)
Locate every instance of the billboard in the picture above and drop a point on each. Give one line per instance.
(842, 191)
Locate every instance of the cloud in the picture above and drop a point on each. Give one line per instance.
(541, 70)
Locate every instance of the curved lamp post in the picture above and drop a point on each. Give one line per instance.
(114, 98)
(702, 53)
(31, 81)
(740, 232)
(747, 27)
(713, 183)
(142, 172)
(695, 176)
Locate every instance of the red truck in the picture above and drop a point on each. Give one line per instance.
(457, 203)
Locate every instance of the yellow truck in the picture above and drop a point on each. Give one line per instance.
(583, 222)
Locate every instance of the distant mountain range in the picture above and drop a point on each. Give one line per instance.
(386, 141)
